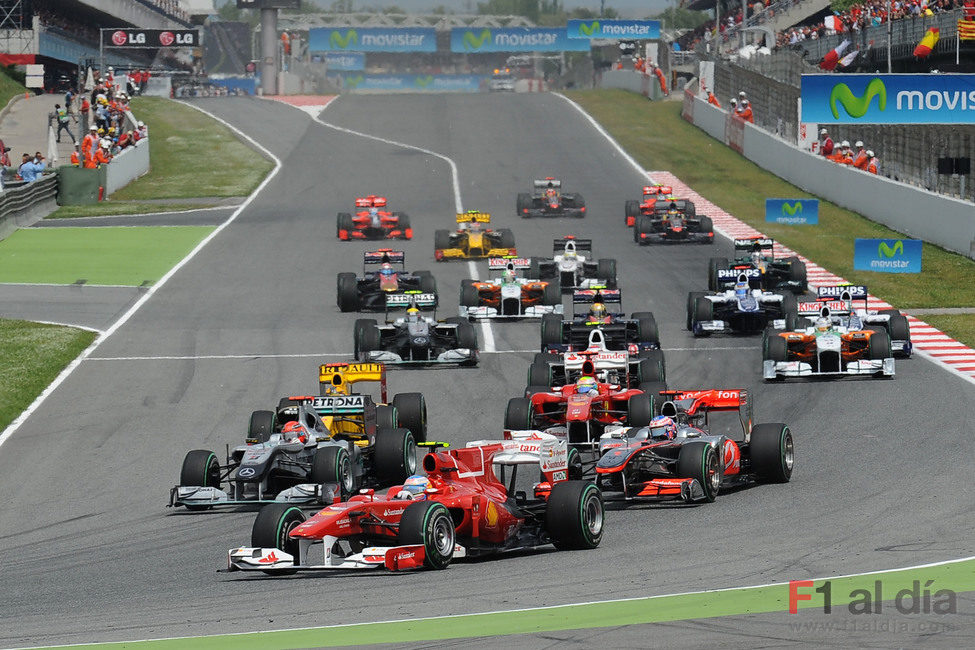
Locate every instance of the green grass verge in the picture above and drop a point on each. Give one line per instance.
(658, 138)
(31, 356)
(9, 88)
(960, 327)
(124, 256)
(956, 576)
(108, 208)
(192, 156)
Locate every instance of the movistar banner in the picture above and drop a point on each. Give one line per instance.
(413, 82)
(345, 60)
(887, 255)
(628, 29)
(514, 39)
(888, 98)
(792, 212)
(372, 39)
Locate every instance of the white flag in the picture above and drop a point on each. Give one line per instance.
(848, 59)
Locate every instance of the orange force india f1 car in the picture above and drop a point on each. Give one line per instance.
(461, 508)
(509, 296)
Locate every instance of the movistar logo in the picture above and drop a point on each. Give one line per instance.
(475, 42)
(590, 29)
(857, 106)
(791, 209)
(352, 82)
(342, 42)
(883, 250)
(423, 82)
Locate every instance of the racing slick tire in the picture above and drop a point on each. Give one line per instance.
(404, 226)
(523, 205)
(534, 268)
(579, 205)
(657, 356)
(644, 225)
(551, 330)
(518, 414)
(898, 328)
(775, 348)
(574, 515)
(707, 226)
(468, 294)
(639, 410)
(690, 210)
(650, 369)
(333, 465)
(772, 452)
(466, 336)
(343, 222)
(646, 327)
(790, 309)
(348, 292)
(797, 273)
(716, 264)
(386, 416)
(411, 413)
(878, 347)
(576, 470)
(441, 240)
(652, 389)
(703, 311)
(507, 238)
(540, 374)
(366, 337)
(260, 427)
(691, 301)
(394, 457)
(200, 468)
(699, 460)
(428, 283)
(631, 211)
(606, 271)
(428, 523)
(272, 529)
(552, 295)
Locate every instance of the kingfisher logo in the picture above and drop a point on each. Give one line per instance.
(883, 250)
(887, 255)
(792, 212)
(473, 42)
(590, 29)
(338, 41)
(854, 106)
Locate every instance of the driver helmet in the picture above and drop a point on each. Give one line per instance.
(550, 192)
(414, 488)
(569, 255)
(294, 431)
(597, 311)
(508, 276)
(374, 215)
(822, 324)
(741, 289)
(386, 269)
(586, 385)
(474, 226)
(663, 428)
(756, 257)
(412, 315)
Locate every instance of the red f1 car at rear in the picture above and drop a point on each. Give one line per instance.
(372, 221)
(678, 457)
(461, 508)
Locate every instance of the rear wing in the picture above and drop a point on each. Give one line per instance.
(383, 256)
(408, 298)
(370, 201)
(545, 183)
(732, 275)
(833, 308)
(338, 378)
(685, 404)
(549, 452)
(842, 292)
(506, 263)
(597, 294)
(754, 244)
(473, 216)
(581, 245)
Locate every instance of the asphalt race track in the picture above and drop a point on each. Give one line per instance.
(89, 552)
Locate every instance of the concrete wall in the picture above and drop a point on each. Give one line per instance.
(630, 80)
(941, 220)
(129, 165)
(135, 13)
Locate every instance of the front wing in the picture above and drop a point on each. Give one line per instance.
(876, 367)
(442, 254)
(527, 313)
(206, 496)
(463, 356)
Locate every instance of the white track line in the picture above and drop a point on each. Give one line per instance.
(70, 368)
(486, 329)
(75, 325)
(142, 214)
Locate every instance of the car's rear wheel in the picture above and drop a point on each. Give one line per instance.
(716, 264)
(639, 410)
(386, 416)
(468, 294)
(260, 427)
(551, 330)
(333, 465)
(776, 348)
(646, 327)
(797, 273)
(441, 239)
(574, 515)
(707, 226)
(466, 336)
(394, 456)
(507, 238)
(606, 272)
(523, 203)
(404, 226)
(348, 292)
(698, 460)
(631, 210)
(899, 328)
(518, 414)
(772, 452)
(540, 374)
(411, 410)
(366, 337)
(552, 295)
(644, 226)
(272, 529)
(428, 523)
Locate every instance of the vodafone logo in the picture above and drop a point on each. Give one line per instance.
(166, 39)
(118, 38)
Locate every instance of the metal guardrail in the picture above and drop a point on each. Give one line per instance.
(18, 199)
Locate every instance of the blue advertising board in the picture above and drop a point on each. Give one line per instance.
(792, 212)
(372, 39)
(887, 255)
(413, 82)
(888, 98)
(621, 29)
(345, 60)
(472, 40)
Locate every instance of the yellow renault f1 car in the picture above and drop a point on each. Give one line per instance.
(471, 240)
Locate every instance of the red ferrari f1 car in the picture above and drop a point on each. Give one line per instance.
(462, 507)
(372, 221)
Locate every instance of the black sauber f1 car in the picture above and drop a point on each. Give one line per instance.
(765, 271)
(547, 200)
(573, 266)
(369, 292)
(673, 221)
(678, 456)
(416, 339)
